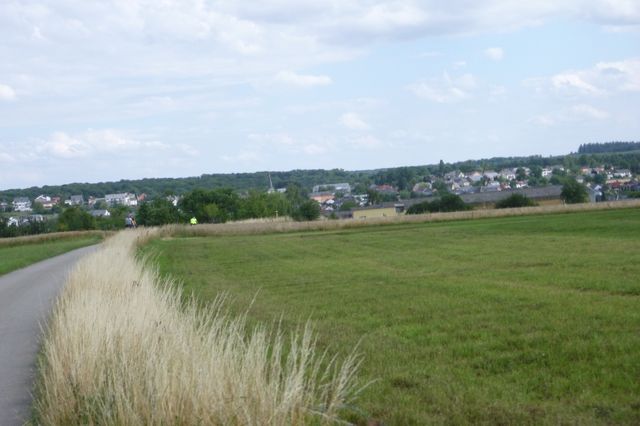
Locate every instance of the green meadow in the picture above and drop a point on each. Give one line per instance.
(19, 254)
(520, 320)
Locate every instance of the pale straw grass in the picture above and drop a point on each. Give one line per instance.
(277, 226)
(122, 348)
(53, 236)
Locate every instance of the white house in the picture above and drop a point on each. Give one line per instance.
(123, 199)
(475, 177)
(21, 204)
(45, 201)
(75, 200)
(508, 174)
(334, 187)
(490, 174)
(622, 173)
(100, 213)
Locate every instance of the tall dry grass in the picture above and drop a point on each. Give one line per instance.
(122, 348)
(267, 226)
(53, 236)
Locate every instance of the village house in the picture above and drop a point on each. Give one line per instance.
(452, 176)
(21, 204)
(491, 175)
(508, 174)
(92, 201)
(622, 173)
(322, 197)
(100, 213)
(122, 199)
(384, 188)
(45, 201)
(475, 177)
(345, 188)
(75, 200)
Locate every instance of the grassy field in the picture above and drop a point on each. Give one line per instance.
(21, 253)
(531, 319)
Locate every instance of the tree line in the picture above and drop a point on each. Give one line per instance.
(403, 178)
(595, 148)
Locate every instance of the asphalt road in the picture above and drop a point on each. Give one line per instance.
(26, 298)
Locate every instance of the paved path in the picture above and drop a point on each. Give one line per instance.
(26, 297)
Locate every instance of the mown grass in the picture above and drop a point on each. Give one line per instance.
(518, 320)
(19, 254)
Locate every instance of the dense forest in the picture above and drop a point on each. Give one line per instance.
(594, 148)
(400, 177)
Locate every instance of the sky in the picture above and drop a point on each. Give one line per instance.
(106, 90)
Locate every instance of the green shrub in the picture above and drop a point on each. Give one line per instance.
(515, 200)
(446, 203)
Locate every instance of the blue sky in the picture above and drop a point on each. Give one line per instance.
(97, 91)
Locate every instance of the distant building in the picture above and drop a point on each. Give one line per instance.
(382, 210)
(45, 201)
(100, 213)
(384, 188)
(491, 175)
(333, 187)
(322, 197)
(75, 200)
(174, 199)
(544, 195)
(508, 174)
(123, 199)
(21, 204)
(622, 173)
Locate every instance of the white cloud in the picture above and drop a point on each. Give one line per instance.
(61, 145)
(543, 120)
(282, 139)
(574, 81)
(6, 158)
(390, 16)
(7, 93)
(625, 74)
(353, 121)
(303, 80)
(446, 89)
(245, 157)
(603, 78)
(494, 53)
(575, 113)
(588, 112)
(93, 143)
(367, 141)
(314, 149)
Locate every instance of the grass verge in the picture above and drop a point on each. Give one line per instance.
(123, 348)
(512, 320)
(16, 253)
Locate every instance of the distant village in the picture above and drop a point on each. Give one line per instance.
(481, 189)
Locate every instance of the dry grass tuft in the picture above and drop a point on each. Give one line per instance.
(277, 226)
(54, 236)
(122, 349)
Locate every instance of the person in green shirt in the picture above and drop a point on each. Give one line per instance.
(193, 221)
